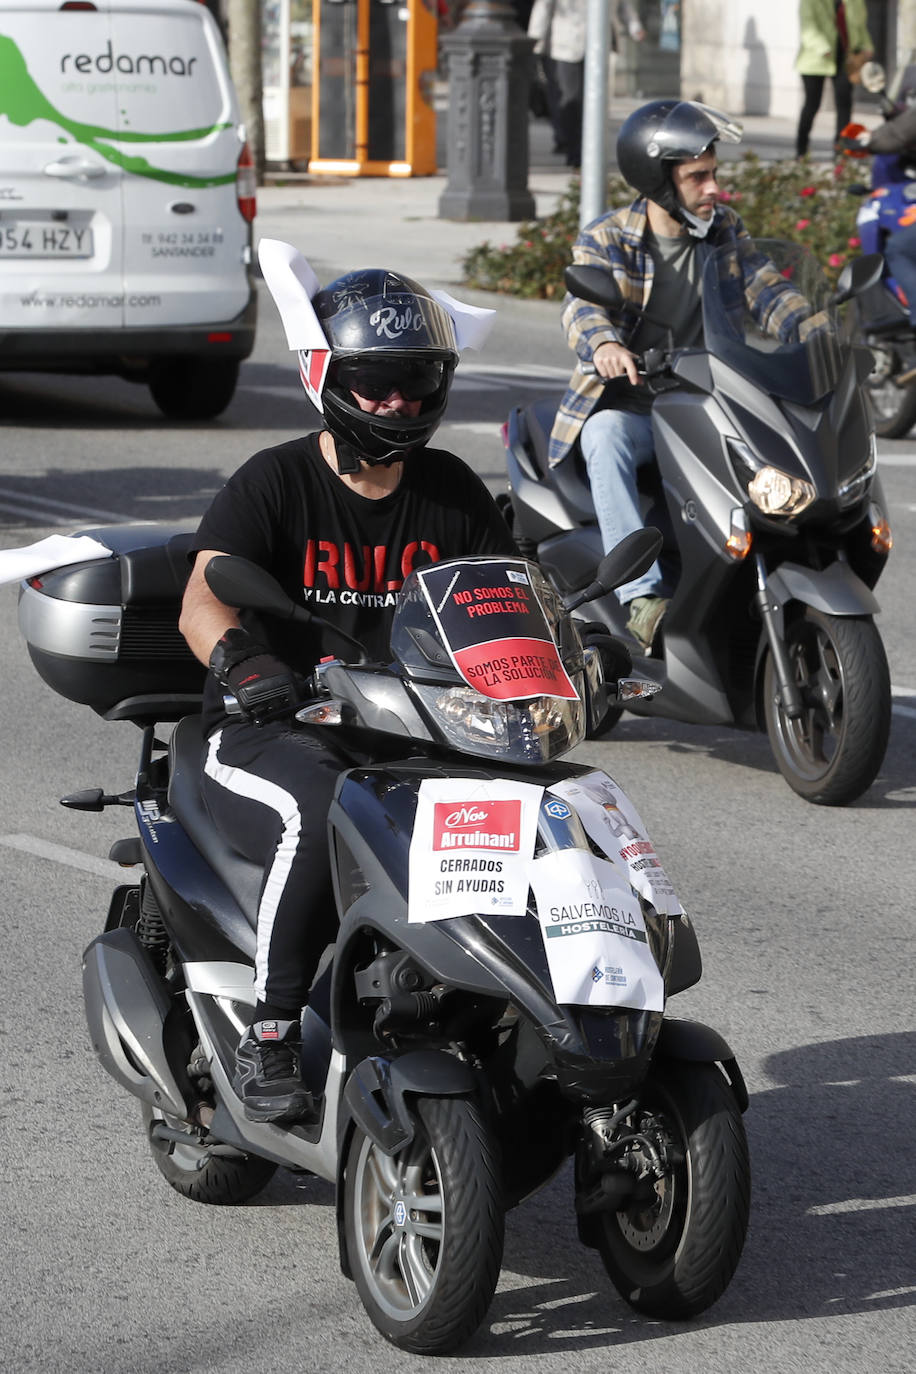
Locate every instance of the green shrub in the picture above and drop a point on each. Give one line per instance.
(804, 202)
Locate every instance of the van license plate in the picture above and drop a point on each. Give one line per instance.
(44, 239)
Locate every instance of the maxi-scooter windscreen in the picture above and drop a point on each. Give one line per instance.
(502, 661)
(767, 314)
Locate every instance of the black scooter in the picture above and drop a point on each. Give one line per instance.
(466, 1039)
(775, 526)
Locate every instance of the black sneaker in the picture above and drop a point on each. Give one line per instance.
(268, 1077)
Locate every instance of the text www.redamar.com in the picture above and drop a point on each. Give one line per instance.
(84, 302)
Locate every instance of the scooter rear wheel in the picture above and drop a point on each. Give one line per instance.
(189, 1168)
(673, 1255)
(833, 752)
(424, 1228)
(894, 406)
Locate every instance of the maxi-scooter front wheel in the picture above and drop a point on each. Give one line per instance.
(672, 1253)
(832, 753)
(425, 1227)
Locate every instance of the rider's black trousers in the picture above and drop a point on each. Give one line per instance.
(268, 790)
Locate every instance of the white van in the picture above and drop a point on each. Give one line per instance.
(127, 195)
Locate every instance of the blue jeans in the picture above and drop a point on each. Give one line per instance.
(615, 444)
(900, 252)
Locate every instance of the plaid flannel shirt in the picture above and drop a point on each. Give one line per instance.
(617, 241)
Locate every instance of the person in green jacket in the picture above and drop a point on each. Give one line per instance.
(834, 42)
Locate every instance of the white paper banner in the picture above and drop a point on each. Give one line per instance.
(471, 844)
(594, 933)
(612, 821)
(57, 551)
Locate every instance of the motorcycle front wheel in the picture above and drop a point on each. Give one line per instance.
(425, 1227)
(832, 753)
(673, 1255)
(894, 406)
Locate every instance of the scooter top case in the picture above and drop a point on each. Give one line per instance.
(104, 633)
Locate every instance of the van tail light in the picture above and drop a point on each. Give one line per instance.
(246, 185)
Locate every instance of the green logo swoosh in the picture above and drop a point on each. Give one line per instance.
(22, 102)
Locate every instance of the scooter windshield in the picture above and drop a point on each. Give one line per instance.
(501, 661)
(767, 313)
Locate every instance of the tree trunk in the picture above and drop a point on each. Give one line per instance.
(243, 20)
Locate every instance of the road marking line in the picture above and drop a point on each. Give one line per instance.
(61, 854)
(910, 693)
(861, 1204)
(896, 459)
(44, 510)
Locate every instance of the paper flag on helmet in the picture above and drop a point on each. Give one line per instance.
(472, 323)
(292, 283)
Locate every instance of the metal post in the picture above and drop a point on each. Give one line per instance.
(593, 194)
(489, 62)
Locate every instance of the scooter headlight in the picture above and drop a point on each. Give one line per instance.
(771, 490)
(776, 493)
(528, 731)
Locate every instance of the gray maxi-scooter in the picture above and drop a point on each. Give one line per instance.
(776, 528)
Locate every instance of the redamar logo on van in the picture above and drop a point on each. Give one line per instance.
(22, 101)
(145, 64)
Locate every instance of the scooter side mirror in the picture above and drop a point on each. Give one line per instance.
(593, 284)
(629, 559)
(857, 276)
(237, 582)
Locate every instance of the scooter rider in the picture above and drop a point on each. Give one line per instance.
(655, 249)
(339, 517)
(897, 137)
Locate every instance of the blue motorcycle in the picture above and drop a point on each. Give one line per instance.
(888, 205)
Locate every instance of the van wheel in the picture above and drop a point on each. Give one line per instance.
(193, 388)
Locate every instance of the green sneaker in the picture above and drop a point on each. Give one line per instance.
(645, 617)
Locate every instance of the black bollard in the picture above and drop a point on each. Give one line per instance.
(489, 65)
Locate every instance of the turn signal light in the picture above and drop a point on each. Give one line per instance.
(882, 541)
(738, 543)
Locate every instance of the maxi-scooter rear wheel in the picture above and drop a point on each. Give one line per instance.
(832, 753)
(192, 1170)
(425, 1227)
(893, 406)
(672, 1255)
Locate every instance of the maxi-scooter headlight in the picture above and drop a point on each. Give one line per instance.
(527, 731)
(772, 491)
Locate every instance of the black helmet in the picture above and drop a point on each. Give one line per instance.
(383, 328)
(654, 138)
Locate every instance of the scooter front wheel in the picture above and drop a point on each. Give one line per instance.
(831, 754)
(672, 1253)
(424, 1228)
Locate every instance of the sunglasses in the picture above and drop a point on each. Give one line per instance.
(374, 381)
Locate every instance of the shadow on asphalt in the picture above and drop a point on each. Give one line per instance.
(895, 786)
(831, 1221)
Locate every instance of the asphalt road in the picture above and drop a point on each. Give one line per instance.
(804, 916)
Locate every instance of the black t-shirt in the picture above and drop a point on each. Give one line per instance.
(343, 555)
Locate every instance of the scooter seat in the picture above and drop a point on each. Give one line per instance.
(242, 877)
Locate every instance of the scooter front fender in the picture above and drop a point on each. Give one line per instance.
(699, 1044)
(375, 1098)
(834, 590)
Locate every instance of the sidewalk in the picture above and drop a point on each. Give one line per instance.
(340, 222)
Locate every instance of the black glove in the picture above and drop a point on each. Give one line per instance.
(261, 684)
(258, 680)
